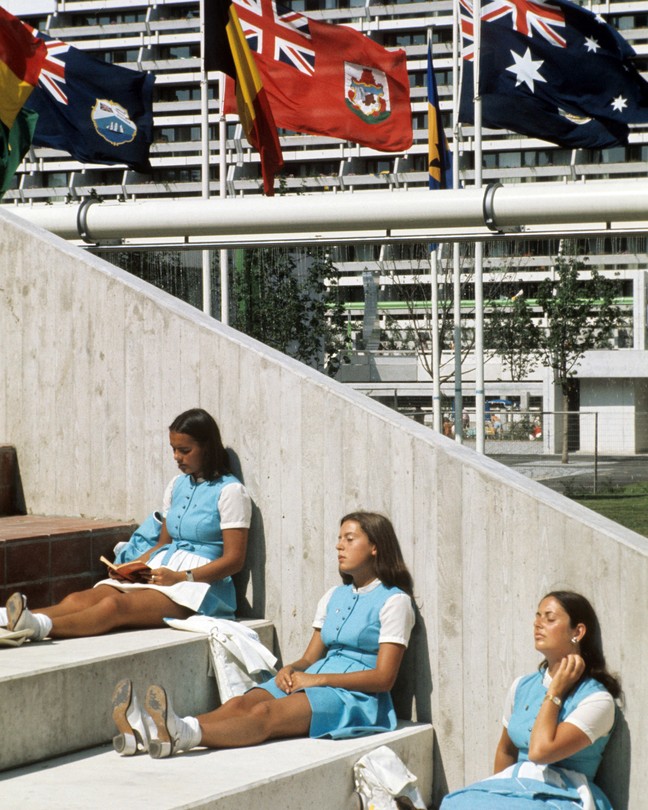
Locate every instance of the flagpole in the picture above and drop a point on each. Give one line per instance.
(456, 259)
(204, 137)
(222, 187)
(480, 410)
(436, 348)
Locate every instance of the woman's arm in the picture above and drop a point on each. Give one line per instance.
(380, 679)
(550, 740)
(506, 754)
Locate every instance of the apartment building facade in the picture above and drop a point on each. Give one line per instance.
(163, 37)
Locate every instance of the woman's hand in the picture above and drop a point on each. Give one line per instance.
(284, 678)
(289, 679)
(166, 577)
(569, 672)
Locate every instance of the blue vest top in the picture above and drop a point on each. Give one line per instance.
(352, 628)
(529, 694)
(193, 521)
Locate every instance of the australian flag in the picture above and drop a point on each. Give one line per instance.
(552, 70)
(95, 111)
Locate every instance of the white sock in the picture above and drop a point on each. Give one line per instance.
(3, 617)
(45, 625)
(189, 733)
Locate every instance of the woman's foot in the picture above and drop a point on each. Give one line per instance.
(135, 726)
(173, 733)
(38, 626)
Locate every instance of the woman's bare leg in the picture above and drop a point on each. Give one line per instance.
(259, 718)
(76, 602)
(145, 608)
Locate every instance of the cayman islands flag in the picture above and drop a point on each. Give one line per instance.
(95, 111)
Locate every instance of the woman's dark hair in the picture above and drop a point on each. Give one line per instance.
(390, 565)
(580, 611)
(202, 427)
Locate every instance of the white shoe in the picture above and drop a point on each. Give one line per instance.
(134, 725)
(19, 618)
(172, 733)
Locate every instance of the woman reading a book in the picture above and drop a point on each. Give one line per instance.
(199, 543)
(338, 688)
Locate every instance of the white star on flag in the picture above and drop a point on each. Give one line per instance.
(591, 44)
(526, 70)
(619, 103)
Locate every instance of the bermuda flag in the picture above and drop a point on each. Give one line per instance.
(552, 70)
(327, 79)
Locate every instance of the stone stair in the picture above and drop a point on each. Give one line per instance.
(55, 696)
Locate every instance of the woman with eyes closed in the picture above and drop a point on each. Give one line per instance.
(193, 547)
(338, 688)
(557, 721)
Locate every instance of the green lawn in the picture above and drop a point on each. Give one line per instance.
(626, 505)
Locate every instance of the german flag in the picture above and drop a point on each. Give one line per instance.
(21, 60)
(226, 49)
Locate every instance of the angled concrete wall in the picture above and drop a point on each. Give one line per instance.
(96, 363)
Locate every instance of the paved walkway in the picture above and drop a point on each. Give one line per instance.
(579, 474)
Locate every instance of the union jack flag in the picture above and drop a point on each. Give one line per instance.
(277, 33)
(52, 75)
(527, 17)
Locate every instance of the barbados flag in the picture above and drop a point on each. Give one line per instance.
(439, 158)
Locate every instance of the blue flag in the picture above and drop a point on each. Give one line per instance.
(552, 70)
(95, 111)
(439, 158)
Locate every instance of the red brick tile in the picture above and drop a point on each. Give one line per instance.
(27, 561)
(60, 588)
(70, 555)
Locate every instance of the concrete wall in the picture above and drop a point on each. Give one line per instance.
(95, 364)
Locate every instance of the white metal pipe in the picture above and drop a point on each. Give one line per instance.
(507, 206)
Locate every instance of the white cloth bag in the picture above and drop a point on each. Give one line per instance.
(239, 659)
(381, 777)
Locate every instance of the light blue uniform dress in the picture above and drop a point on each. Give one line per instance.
(515, 791)
(350, 632)
(193, 522)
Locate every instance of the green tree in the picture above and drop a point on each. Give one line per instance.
(511, 332)
(579, 315)
(569, 316)
(290, 300)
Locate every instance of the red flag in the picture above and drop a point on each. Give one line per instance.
(21, 60)
(328, 79)
(225, 49)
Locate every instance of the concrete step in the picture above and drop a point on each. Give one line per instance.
(285, 775)
(55, 695)
(48, 557)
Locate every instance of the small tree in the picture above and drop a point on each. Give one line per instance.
(513, 334)
(578, 316)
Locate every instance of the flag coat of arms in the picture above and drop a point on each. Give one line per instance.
(95, 111)
(552, 70)
(327, 79)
